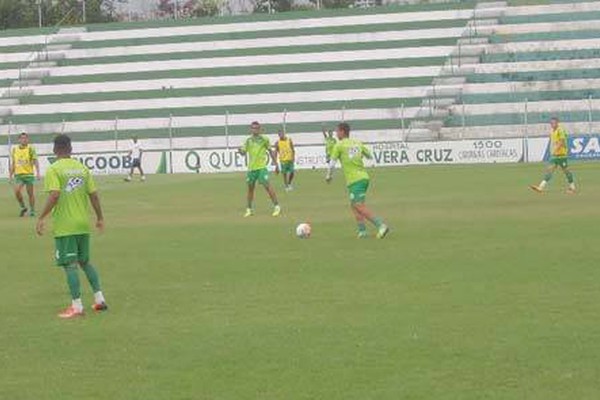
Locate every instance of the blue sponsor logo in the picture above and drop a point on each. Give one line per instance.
(581, 147)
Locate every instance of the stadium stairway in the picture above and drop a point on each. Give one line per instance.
(540, 61)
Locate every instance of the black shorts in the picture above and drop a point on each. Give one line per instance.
(136, 163)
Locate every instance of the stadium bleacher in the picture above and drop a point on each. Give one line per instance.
(457, 70)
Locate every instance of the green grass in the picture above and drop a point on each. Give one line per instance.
(484, 290)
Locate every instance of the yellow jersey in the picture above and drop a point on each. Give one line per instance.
(285, 150)
(23, 159)
(558, 142)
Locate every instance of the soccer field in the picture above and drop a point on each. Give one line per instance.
(483, 290)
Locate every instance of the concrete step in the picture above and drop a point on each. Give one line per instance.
(466, 41)
(491, 4)
(35, 73)
(42, 64)
(26, 83)
(443, 91)
(50, 56)
(468, 51)
(483, 22)
(15, 93)
(420, 135)
(433, 114)
(490, 13)
(5, 111)
(433, 126)
(7, 102)
(57, 39)
(449, 81)
(456, 61)
(72, 30)
(59, 47)
(441, 103)
(453, 70)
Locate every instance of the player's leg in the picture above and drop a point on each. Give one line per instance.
(292, 174)
(18, 188)
(66, 257)
(83, 244)
(263, 179)
(131, 171)
(547, 177)
(358, 196)
(360, 222)
(251, 182)
(142, 175)
(31, 196)
(569, 176)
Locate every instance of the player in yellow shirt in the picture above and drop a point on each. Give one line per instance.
(24, 169)
(559, 153)
(284, 148)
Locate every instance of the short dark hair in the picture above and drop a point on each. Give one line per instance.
(344, 127)
(554, 119)
(62, 144)
(23, 134)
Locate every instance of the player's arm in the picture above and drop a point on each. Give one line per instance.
(11, 166)
(293, 148)
(243, 148)
(273, 155)
(36, 164)
(92, 191)
(366, 152)
(335, 155)
(53, 197)
(52, 186)
(95, 200)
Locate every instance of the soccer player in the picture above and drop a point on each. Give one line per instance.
(24, 169)
(329, 143)
(258, 150)
(135, 152)
(71, 189)
(351, 154)
(559, 153)
(284, 149)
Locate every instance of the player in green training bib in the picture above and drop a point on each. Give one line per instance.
(258, 149)
(351, 154)
(71, 189)
(559, 155)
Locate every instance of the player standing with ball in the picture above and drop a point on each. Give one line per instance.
(351, 154)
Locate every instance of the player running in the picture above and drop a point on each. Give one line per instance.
(258, 149)
(559, 153)
(24, 170)
(284, 149)
(135, 152)
(71, 188)
(351, 154)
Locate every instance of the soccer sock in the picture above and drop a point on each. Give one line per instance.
(73, 281)
(99, 297)
(92, 276)
(543, 184)
(362, 227)
(77, 304)
(569, 175)
(377, 222)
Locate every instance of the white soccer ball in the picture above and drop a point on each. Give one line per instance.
(303, 230)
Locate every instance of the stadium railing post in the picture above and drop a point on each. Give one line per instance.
(526, 119)
(116, 133)
(227, 129)
(284, 120)
(590, 114)
(170, 143)
(402, 124)
(464, 120)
